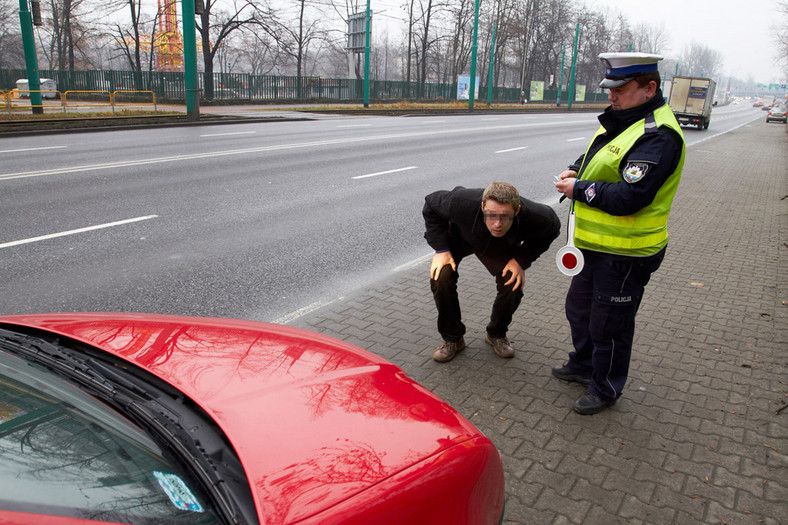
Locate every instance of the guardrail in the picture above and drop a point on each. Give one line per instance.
(105, 99)
(115, 102)
(77, 92)
(17, 94)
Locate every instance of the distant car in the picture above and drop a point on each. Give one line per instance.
(778, 113)
(224, 93)
(136, 418)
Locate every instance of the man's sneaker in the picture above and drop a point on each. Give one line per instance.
(590, 404)
(448, 350)
(501, 346)
(564, 373)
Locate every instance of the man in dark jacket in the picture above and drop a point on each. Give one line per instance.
(506, 232)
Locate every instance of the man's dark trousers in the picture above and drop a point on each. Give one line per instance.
(444, 290)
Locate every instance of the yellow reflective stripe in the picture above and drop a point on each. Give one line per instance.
(615, 241)
(624, 228)
(630, 221)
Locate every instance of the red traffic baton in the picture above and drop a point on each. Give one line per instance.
(569, 259)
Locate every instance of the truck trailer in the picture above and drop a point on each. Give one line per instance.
(691, 99)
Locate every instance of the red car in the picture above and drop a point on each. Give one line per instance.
(136, 418)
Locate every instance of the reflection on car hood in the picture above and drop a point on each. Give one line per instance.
(313, 419)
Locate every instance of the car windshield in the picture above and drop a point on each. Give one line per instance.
(62, 452)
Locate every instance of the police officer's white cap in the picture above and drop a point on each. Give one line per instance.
(621, 68)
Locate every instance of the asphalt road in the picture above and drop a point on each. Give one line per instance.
(257, 221)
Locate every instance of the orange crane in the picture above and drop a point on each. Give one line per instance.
(168, 41)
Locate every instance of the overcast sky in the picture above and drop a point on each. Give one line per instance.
(740, 30)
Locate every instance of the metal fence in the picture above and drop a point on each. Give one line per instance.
(170, 86)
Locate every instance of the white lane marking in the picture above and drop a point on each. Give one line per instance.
(412, 264)
(226, 134)
(317, 305)
(261, 149)
(32, 149)
(510, 149)
(292, 316)
(78, 230)
(707, 137)
(575, 139)
(384, 172)
(355, 126)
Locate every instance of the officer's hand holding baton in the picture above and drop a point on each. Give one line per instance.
(565, 183)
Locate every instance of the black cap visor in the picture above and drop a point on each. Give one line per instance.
(617, 81)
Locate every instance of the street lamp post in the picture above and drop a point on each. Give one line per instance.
(572, 73)
(366, 60)
(190, 60)
(472, 89)
(492, 63)
(31, 60)
(561, 81)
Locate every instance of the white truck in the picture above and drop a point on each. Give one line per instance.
(691, 99)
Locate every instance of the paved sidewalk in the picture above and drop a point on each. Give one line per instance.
(700, 434)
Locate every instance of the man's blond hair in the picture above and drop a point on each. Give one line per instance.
(503, 193)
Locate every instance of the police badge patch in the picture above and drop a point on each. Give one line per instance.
(590, 192)
(635, 171)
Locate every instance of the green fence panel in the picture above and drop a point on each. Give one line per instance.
(266, 88)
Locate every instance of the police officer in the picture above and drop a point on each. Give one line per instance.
(621, 188)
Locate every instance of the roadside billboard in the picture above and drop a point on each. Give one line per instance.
(463, 87)
(537, 90)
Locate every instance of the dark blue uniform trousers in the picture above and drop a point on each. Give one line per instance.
(601, 305)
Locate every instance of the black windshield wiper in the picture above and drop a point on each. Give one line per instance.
(52, 357)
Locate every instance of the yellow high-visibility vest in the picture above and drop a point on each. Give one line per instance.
(644, 232)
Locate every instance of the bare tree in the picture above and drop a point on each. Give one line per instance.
(596, 36)
(554, 28)
(781, 37)
(427, 9)
(66, 32)
(411, 22)
(229, 55)
(650, 38)
(525, 26)
(12, 54)
(462, 13)
(259, 52)
(296, 34)
(697, 59)
(71, 33)
(128, 35)
(505, 20)
(216, 25)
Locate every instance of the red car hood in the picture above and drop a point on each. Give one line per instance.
(314, 420)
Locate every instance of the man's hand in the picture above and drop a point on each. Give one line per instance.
(518, 274)
(439, 260)
(567, 183)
